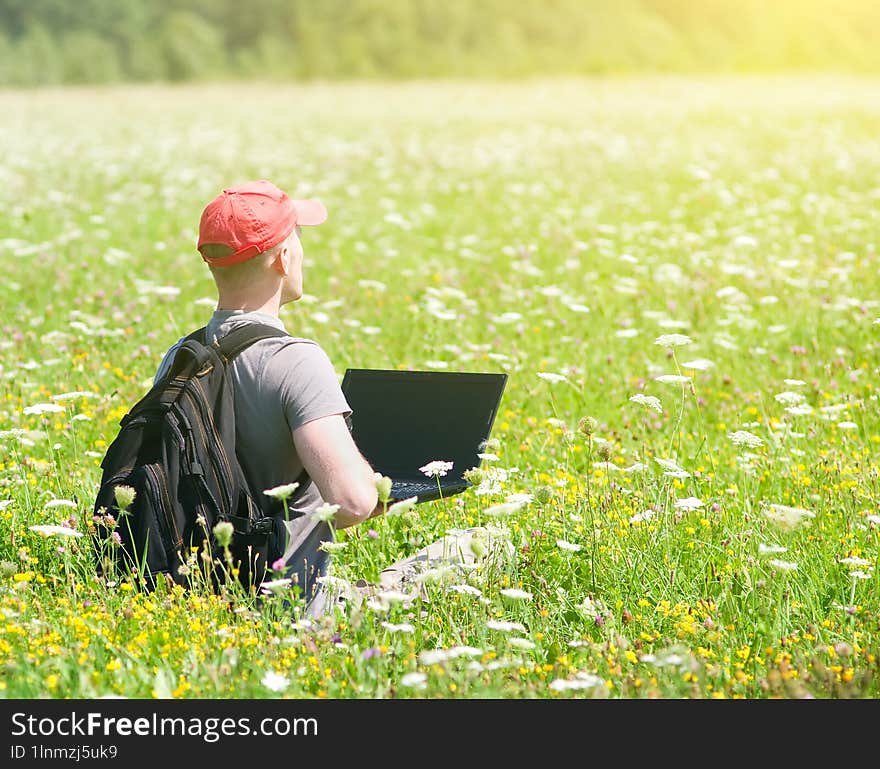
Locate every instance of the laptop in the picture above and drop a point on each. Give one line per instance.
(403, 420)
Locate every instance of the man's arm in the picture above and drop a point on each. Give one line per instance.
(338, 469)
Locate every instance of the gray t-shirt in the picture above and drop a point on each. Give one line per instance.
(280, 384)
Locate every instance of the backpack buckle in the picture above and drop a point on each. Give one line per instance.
(262, 526)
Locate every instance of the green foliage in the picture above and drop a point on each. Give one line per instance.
(192, 47)
(87, 58)
(54, 41)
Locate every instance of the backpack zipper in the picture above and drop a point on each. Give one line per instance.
(156, 477)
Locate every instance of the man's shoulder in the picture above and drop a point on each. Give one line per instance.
(284, 356)
(167, 359)
(286, 348)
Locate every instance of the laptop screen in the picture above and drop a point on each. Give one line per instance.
(401, 420)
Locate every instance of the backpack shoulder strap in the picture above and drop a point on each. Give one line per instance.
(240, 339)
(243, 337)
(198, 335)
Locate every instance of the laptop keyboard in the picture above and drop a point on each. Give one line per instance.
(403, 489)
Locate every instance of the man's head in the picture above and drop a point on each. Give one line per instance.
(249, 236)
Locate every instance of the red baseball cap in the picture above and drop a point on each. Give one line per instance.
(252, 217)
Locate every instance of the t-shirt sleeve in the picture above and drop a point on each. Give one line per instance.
(307, 382)
(167, 359)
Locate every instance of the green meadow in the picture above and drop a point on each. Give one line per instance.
(678, 275)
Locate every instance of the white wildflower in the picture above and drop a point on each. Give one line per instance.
(853, 561)
(466, 589)
(672, 378)
(502, 509)
(516, 594)
(282, 492)
(402, 506)
(275, 586)
(390, 597)
(549, 376)
(436, 656)
(651, 401)
(504, 626)
(436, 468)
(60, 503)
(44, 408)
(745, 438)
(332, 547)
(688, 503)
(699, 364)
(572, 547)
(672, 469)
(49, 530)
(435, 575)
(275, 681)
(789, 398)
(72, 395)
(334, 583)
(414, 680)
(403, 627)
(786, 517)
(325, 512)
(521, 643)
(591, 606)
(771, 549)
(588, 681)
(672, 340)
(783, 565)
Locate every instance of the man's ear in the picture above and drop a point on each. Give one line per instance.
(281, 262)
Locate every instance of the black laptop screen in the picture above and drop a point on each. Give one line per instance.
(401, 420)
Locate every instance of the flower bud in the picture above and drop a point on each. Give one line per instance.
(325, 513)
(605, 451)
(587, 425)
(223, 533)
(124, 496)
(543, 494)
(383, 487)
(475, 476)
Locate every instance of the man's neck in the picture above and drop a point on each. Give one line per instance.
(249, 304)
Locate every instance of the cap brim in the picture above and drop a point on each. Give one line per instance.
(309, 212)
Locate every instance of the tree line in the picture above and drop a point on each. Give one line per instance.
(48, 42)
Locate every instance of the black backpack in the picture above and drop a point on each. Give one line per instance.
(176, 450)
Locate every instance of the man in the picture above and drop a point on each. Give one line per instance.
(290, 409)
